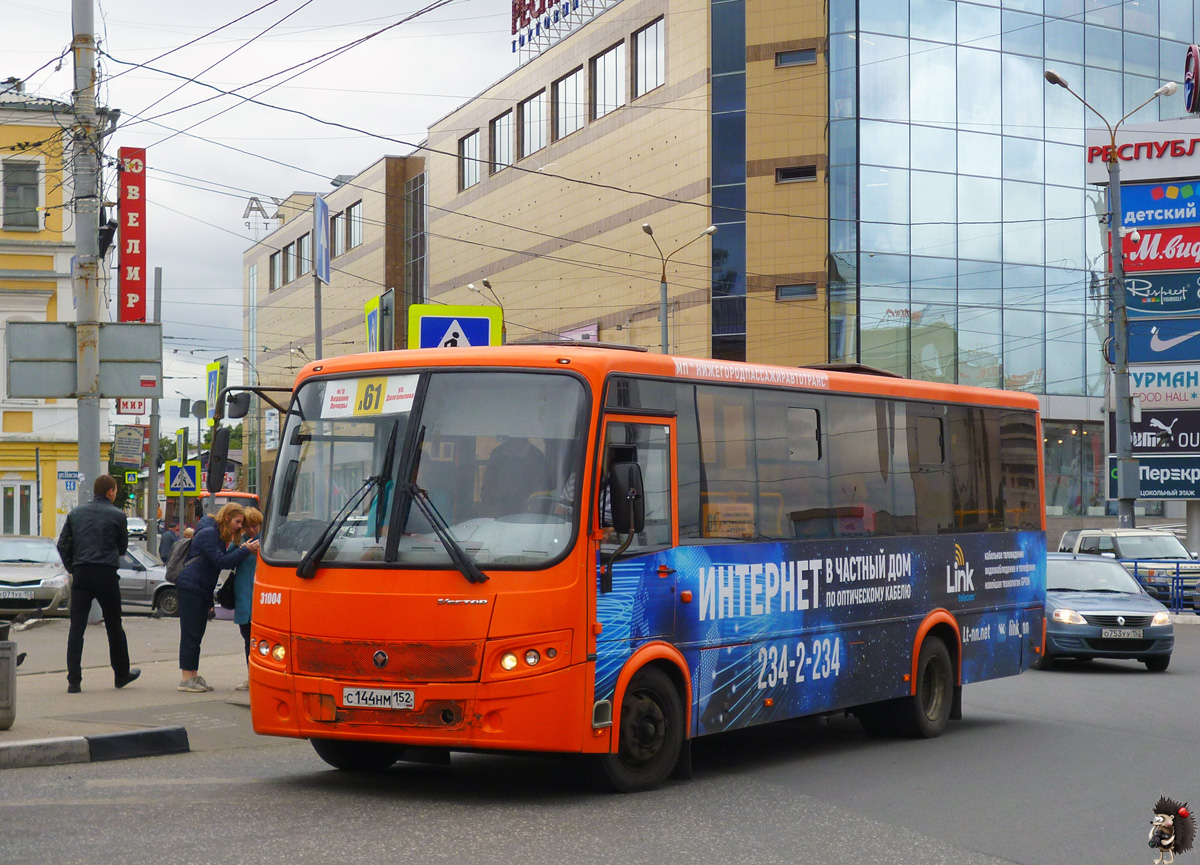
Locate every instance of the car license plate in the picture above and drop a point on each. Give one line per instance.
(18, 594)
(378, 698)
(1121, 633)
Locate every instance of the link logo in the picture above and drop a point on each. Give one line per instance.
(959, 576)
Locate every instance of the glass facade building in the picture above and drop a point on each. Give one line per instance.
(964, 244)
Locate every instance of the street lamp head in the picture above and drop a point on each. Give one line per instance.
(712, 229)
(1167, 89)
(1056, 79)
(646, 228)
(472, 287)
(487, 284)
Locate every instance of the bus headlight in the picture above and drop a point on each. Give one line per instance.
(278, 652)
(532, 657)
(1069, 617)
(509, 661)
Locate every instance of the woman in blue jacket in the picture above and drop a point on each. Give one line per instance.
(208, 555)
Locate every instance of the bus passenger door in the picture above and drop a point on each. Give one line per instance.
(641, 602)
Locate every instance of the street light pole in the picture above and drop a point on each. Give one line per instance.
(662, 279)
(503, 316)
(1128, 477)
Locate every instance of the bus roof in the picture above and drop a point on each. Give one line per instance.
(596, 361)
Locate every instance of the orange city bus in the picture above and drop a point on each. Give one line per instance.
(595, 550)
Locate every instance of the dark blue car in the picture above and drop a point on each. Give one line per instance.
(1096, 609)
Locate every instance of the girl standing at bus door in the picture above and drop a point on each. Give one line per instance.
(243, 586)
(207, 557)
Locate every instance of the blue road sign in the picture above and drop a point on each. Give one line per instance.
(321, 238)
(454, 331)
(183, 480)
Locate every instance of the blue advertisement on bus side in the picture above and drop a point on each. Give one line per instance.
(779, 629)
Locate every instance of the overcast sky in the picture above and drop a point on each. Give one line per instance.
(198, 183)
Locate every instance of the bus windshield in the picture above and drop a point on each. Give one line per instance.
(496, 453)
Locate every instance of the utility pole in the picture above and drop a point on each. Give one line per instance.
(85, 277)
(152, 476)
(1128, 478)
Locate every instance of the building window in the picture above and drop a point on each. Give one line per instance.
(801, 57)
(337, 234)
(303, 254)
(797, 291)
(20, 194)
(289, 263)
(503, 135)
(531, 116)
(568, 104)
(414, 242)
(354, 225)
(468, 160)
(275, 271)
(608, 81)
(795, 173)
(649, 58)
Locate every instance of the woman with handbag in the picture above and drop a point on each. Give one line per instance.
(243, 586)
(207, 557)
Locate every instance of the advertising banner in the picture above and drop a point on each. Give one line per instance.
(1159, 204)
(1152, 295)
(131, 198)
(1163, 249)
(1161, 432)
(1164, 340)
(127, 447)
(1162, 477)
(1163, 388)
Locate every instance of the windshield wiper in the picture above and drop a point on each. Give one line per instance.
(307, 569)
(457, 554)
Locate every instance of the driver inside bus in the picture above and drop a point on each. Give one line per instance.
(515, 470)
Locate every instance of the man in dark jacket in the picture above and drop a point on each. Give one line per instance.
(167, 542)
(92, 542)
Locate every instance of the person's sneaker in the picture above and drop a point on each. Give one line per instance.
(193, 685)
(207, 686)
(73, 689)
(245, 686)
(122, 681)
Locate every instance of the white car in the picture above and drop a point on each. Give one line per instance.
(144, 583)
(137, 527)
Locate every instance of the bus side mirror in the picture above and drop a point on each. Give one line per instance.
(627, 497)
(237, 405)
(218, 455)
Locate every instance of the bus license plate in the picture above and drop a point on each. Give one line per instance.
(377, 698)
(1121, 633)
(17, 594)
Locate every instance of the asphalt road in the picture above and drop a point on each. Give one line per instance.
(1048, 766)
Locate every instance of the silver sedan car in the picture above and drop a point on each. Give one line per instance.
(144, 583)
(32, 578)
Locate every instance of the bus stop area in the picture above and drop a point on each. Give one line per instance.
(147, 717)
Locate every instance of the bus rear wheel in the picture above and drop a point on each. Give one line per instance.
(649, 734)
(925, 713)
(357, 756)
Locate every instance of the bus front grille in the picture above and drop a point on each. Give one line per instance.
(371, 661)
(446, 714)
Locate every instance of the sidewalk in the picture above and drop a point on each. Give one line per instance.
(149, 716)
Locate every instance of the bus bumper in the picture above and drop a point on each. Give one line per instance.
(534, 713)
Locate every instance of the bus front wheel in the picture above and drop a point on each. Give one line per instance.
(925, 713)
(357, 756)
(650, 734)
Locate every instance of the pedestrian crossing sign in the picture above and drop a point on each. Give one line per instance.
(131, 477)
(432, 325)
(183, 479)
